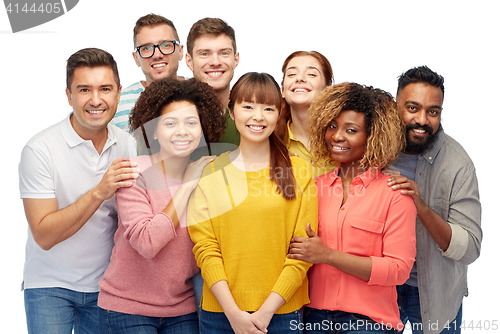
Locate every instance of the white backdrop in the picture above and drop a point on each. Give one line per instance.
(368, 42)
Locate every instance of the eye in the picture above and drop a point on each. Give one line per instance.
(192, 123)
(169, 123)
(433, 112)
(204, 54)
(351, 131)
(332, 126)
(147, 47)
(270, 109)
(166, 44)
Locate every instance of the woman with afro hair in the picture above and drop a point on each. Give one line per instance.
(365, 244)
(147, 287)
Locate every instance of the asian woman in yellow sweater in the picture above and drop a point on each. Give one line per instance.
(248, 205)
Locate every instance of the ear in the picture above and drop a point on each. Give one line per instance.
(236, 59)
(181, 52)
(68, 95)
(231, 114)
(119, 94)
(136, 58)
(189, 62)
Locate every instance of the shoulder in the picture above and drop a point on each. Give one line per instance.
(452, 149)
(135, 88)
(302, 169)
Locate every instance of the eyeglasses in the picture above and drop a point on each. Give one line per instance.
(148, 50)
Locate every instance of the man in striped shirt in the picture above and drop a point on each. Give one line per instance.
(157, 51)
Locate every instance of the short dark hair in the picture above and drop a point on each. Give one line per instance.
(161, 93)
(90, 57)
(153, 20)
(213, 27)
(421, 74)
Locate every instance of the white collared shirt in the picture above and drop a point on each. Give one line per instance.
(57, 163)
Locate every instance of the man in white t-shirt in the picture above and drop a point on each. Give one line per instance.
(157, 51)
(68, 176)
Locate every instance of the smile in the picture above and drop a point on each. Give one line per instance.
(300, 90)
(159, 65)
(256, 128)
(339, 148)
(181, 143)
(215, 74)
(95, 112)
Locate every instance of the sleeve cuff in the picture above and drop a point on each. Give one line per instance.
(458, 243)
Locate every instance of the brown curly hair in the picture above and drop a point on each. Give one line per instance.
(384, 127)
(159, 94)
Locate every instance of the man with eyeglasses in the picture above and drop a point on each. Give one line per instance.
(157, 51)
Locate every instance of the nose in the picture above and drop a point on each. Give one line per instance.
(337, 136)
(421, 117)
(301, 77)
(157, 53)
(181, 130)
(214, 60)
(95, 99)
(258, 114)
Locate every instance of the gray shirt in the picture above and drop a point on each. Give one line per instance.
(446, 178)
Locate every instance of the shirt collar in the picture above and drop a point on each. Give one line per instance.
(365, 179)
(290, 133)
(73, 139)
(430, 154)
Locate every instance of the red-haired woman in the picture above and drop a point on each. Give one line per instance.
(305, 75)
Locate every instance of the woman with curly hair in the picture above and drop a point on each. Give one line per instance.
(365, 244)
(305, 75)
(147, 287)
(247, 207)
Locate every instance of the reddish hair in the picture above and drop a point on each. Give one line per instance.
(263, 89)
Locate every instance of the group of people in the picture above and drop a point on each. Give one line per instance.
(312, 207)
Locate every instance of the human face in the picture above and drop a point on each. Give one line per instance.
(213, 61)
(179, 130)
(158, 66)
(255, 122)
(303, 80)
(420, 105)
(94, 97)
(346, 137)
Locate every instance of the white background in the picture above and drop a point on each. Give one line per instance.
(368, 42)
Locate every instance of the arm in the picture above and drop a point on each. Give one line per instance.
(460, 235)
(439, 229)
(241, 321)
(313, 250)
(51, 226)
(398, 253)
(148, 232)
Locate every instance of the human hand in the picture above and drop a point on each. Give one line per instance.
(245, 323)
(409, 187)
(119, 175)
(312, 249)
(390, 172)
(194, 169)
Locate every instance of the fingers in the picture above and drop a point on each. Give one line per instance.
(309, 231)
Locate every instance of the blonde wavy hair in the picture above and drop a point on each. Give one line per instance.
(385, 128)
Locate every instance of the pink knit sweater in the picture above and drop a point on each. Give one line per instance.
(151, 263)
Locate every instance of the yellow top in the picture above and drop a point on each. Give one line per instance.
(242, 229)
(297, 147)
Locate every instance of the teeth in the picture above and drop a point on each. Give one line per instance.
(340, 148)
(300, 90)
(256, 128)
(180, 143)
(95, 111)
(419, 130)
(158, 65)
(215, 74)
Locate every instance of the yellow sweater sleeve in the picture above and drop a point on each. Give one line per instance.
(295, 271)
(206, 249)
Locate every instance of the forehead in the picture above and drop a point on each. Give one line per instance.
(421, 93)
(304, 62)
(180, 108)
(155, 34)
(214, 43)
(93, 76)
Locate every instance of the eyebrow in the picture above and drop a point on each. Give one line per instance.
(418, 104)
(308, 67)
(172, 117)
(210, 50)
(89, 86)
